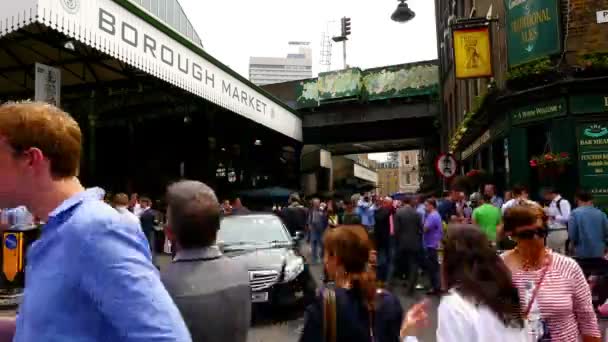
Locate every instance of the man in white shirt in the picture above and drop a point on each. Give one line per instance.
(121, 204)
(134, 205)
(520, 194)
(559, 214)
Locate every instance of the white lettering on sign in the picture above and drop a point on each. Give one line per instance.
(112, 29)
(602, 16)
(484, 138)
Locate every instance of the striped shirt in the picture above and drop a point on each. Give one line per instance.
(564, 299)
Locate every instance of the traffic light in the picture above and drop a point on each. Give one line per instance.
(345, 27)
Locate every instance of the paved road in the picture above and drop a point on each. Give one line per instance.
(285, 325)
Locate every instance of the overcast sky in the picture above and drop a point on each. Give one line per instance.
(234, 30)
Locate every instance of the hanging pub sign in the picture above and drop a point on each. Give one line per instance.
(472, 52)
(533, 30)
(48, 84)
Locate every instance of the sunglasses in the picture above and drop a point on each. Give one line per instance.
(541, 232)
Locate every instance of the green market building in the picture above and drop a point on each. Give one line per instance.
(153, 105)
(549, 93)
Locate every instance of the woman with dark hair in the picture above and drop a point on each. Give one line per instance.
(355, 310)
(481, 303)
(555, 296)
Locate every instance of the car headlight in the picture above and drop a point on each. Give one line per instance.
(294, 265)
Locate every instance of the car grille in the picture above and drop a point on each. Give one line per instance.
(260, 280)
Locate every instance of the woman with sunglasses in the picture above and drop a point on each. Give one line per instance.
(554, 294)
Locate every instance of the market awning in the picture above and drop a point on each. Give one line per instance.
(125, 34)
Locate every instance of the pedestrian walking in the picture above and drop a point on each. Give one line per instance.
(588, 228)
(490, 191)
(481, 304)
(238, 208)
(148, 218)
(487, 217)
(121, 204)
(382, 235)
(520, 194)
(355, 310)
(205, 285)
(558, 214)
(553, 291)
(294, 216)
(409, 257)
(90, 275)
(317, 224)
(366, 208)
(433, 233)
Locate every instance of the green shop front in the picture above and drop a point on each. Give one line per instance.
(572, 128)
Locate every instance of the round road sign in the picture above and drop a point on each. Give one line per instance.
(446, 165)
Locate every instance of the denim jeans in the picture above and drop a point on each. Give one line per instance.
(432, 267)
(383, 261)
(316, 245)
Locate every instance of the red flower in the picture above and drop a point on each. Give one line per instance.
(564, 155)
(548, 157)
(533, 163)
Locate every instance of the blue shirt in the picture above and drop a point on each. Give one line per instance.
(90, 277)
(433, 230)
(421, 210)
(366, 210)
(588, 230)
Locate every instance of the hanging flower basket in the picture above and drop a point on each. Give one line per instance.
(550, 165)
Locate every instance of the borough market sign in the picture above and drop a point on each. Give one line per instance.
(112, 29)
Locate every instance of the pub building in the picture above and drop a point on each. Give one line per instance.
(540, 118)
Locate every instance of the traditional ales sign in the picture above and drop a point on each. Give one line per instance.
(533, 30)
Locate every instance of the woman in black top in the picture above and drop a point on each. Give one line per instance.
(363, 313)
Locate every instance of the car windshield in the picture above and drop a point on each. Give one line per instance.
(242, 230)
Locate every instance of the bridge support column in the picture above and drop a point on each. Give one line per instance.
(316, 170)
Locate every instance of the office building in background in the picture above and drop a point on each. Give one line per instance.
(296, 66)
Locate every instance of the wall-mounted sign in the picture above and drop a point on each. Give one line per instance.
(365, 174)
(588, 104)
(593, 159)
(602, 16)
(472, 52)
(474, 147)
(110, 28)
(533, 29)
(446, 165)
(48, 84)
(539, 111)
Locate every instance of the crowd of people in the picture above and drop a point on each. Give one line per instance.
(90, 275)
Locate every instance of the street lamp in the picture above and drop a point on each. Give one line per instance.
(403, 13)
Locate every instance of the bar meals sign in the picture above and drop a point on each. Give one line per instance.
(111, 28)
(533, 30)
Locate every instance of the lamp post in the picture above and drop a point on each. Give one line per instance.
(403, 13)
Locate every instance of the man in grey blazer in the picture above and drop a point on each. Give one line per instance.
(408, 235)
(211, 291)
